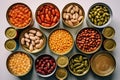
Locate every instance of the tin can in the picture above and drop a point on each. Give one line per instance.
(11, 33)
(109, 44)
(103, 63)
(11, 45)
(108, 32)
(15, 20)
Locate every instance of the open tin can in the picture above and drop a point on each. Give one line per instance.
(19, 16)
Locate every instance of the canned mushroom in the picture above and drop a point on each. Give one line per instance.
(47, 15)
(88, 40)
(32, 40)
(19, 63)
(19, 16)
(73, 15)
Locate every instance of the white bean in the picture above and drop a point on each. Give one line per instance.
(27, 44)
(37, 38)
(80, 12)
(37, 41)
(32, 38)
(26, 35)
(73, 20)
(23, 41)
(27, 40)
(67, 16)
(64, 15)
(76, 15)
(80, 18)
(31, 47)
(31, 34)
(40, 44)
(76, 8)
(72, 11)
(70, 23)
(33, 43)
(38, 33)
(69, 8)
(32, 31)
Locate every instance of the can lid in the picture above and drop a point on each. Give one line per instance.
(10, 45)
(11, 33)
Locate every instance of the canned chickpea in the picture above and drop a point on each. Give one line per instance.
(19, 16)
(19, 63)
(60, 41)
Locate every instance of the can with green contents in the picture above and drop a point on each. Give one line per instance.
(11, 33)
(108, 32)
(11, 45)
(109, 44)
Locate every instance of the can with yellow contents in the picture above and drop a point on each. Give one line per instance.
(11, 45)
(11, 33)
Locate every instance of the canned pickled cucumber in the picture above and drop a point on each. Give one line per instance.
(11, 45)
(11, 33)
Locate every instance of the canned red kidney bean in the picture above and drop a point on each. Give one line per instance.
(45, 64)
(47, 15)
(88, 40)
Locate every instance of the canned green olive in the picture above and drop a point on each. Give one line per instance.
(108, 32)
(109, 44)
(11, 45)
(11, 33)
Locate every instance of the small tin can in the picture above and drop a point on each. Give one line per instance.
(109, 44)
(108, 32)
(11, 33)
(62, 61)
(11, 45)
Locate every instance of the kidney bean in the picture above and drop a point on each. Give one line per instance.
(88, 40)
(48, 16)
(45, 65)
